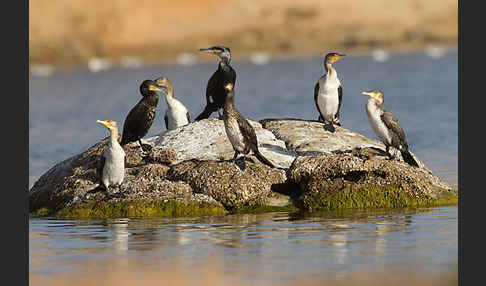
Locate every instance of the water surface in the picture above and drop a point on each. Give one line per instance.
(260, 247)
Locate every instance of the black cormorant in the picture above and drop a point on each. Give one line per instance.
(140, 118)
(176, 114)
(386, 126)
(328, 93)
(215, 93)
(239, 131)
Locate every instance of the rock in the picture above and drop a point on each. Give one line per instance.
(310, 137)
(71, 189)
(189, 173)
(363, 179)
(234, 185)
(207, 140)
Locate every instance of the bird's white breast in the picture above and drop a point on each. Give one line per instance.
(176, 114)
(328, 97)
(114, 169)
(374, 117)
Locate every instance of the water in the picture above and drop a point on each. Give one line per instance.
(262, 247)
(420, 90)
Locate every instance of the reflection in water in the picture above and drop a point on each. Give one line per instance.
(254, 247)
(119, 228)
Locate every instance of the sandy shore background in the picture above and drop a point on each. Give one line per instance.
(71, 32)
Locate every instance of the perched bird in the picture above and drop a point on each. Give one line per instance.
(328, 94)
(176, 114)
(215, 93)
(140, 118)
(386, 126)
(240, 133)
(111, 167)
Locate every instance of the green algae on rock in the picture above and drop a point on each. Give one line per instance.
(131, 209)
(349, 180)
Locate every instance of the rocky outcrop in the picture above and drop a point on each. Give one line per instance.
(189, 173)
(206, 140)
(364, 178)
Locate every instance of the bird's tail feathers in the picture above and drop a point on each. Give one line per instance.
(263, 159)
(407, 157)
(205, 114)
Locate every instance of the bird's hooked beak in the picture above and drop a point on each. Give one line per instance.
(209, 51)
(370, 94)
(157, 88)
(337, 57)
(104, 122)
(162, 88)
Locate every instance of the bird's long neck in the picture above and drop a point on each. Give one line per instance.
(113, 136)
(328, 67)
(169, 97)
(229, 105)
(224, 64)
(372, 107)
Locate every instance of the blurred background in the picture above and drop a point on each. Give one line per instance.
(73, 32)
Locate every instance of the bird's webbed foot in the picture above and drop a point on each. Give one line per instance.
(145, 150)
(119, 193)
(241, 164)
(390, 155)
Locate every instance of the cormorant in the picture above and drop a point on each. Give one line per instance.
(111, 167)
(215, 92)
(140, 118)
(386, 126)
(176, 114)
(240, 133)
(328, 93)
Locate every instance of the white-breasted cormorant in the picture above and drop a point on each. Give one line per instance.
(239, 131)
(328, 94)
(386, 126)
(215, 93)
(141, 116)
(111, 167)
(176, 114)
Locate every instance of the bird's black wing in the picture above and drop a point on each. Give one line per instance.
(212, 87)
(188, 117)
(166, 120)
(316, 93)
(138, 122)
(251, 142)
(340, 96)
(397, 133)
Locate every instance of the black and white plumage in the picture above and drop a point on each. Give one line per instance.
(215, 92)
(176, 114)
(386, 126)
(111, 166)
(239, 131)
(328, 93)
(141, 116)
